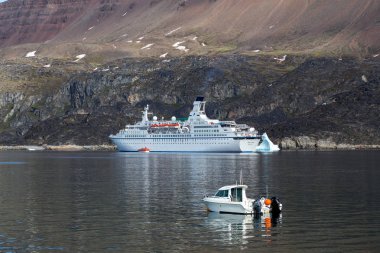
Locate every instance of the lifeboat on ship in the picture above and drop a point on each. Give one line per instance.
(145, 149)
(171, 125)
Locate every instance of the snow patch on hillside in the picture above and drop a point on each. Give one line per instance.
(172, 31)
(178, 43)
(147, 46)
(178, 46)
(279, 60)
(31, 54)
(79, 57)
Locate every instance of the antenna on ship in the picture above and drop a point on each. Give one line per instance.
(241, 177)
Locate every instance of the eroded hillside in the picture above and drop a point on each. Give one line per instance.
(109, 29)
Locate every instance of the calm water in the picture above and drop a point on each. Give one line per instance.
(137, 202)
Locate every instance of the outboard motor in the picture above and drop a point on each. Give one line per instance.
(275, 206)
(257, 208)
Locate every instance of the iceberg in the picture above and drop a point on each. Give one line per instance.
(266, 145)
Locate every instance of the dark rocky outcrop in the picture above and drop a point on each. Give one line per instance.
(307, 103)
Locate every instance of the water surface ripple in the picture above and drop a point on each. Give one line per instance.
(138, 202)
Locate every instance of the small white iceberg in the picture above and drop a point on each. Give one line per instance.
(266, 145)
(34, 148)
(31, 54)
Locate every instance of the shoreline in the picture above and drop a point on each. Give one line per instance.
(59, 148)
(74, 148)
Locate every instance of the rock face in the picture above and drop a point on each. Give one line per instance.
(37, 21)
(315, 113)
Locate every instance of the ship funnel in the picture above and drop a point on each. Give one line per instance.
(198, 107)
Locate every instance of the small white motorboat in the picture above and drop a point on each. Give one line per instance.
(233, 199)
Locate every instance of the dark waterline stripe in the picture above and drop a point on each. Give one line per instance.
(11, 163)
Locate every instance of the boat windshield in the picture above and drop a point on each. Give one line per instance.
(222, 193)
(236, 194)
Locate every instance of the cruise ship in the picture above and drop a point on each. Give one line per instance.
(197, 133)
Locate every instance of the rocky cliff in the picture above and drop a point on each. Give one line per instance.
(337, 101)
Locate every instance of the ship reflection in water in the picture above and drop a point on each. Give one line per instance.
(235, 228)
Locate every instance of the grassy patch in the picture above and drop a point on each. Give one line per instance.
(226, 48)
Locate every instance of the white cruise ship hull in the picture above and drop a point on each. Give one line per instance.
(186, 145)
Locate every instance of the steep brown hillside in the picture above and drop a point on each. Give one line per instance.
(124, 27)
(37, 21)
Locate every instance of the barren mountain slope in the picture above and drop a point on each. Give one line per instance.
(114, 27)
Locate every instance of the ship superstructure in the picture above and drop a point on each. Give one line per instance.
(196, 134)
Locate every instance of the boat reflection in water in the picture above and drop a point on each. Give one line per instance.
(241, 229)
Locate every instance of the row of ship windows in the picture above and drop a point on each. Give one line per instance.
(214, 130)
(177, 136)
(214, 126)
(188, 142)
(154, 141)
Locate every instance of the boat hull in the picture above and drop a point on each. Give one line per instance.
(228, 206)
(186, 145)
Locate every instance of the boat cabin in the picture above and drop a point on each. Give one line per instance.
(236, 193)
